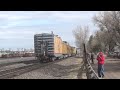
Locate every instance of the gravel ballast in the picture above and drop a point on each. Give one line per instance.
(64, 69)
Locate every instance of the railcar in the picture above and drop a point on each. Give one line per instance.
(50, 47)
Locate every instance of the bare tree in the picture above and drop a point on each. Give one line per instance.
(109, 25)
(81, 36)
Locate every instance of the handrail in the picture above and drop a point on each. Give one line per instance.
(90, 73)
(92, 70)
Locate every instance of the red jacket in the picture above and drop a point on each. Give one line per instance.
(101, 58)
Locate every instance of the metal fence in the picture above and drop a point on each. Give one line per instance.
(90, 73)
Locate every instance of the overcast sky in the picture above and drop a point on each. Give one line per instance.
(17, 28)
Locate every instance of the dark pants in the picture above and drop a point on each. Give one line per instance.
(100, 70)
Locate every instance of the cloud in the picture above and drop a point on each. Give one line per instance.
(69, 16)
(17, 15)
(22, 25)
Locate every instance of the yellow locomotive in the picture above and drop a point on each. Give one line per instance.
(49, 47)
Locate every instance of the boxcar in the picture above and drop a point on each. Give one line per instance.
(49, 47)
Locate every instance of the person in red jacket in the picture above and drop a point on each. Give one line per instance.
(101, 61)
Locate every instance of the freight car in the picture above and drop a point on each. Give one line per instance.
(73, 51)
(49, 47)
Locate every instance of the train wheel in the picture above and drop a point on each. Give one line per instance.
(57, 58)
(53, 59)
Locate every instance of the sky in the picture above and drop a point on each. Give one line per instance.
(17, 28)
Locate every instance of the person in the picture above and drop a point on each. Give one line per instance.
(101, 60)
(92, 58)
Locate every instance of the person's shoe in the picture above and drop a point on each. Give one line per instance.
(103, 76)
(100, 77)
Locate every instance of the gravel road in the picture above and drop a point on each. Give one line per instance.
(64, 69)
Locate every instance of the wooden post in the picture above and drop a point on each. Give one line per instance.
(84, 53)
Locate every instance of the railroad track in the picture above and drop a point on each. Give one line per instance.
(7, 74)
(16, 71)
(13, 63)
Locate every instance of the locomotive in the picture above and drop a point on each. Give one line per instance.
(50, 47)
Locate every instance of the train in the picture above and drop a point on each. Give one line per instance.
(50, 47)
